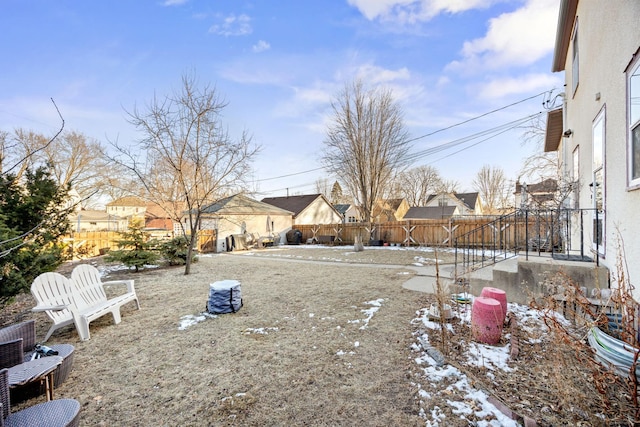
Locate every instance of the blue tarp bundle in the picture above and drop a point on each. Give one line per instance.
(224, 297)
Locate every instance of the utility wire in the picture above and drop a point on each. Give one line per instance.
(493, 131)
(480, 116)
(288, 175)
(444, 146)
(481, 141)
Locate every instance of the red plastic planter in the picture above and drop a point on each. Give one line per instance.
(486, 320)
(497, 294)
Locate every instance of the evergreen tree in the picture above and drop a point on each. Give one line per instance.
(31, 222)
(136, 248)
(336, 193)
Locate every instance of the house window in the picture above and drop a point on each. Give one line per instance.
(633, 85)
(352, 219)
(575, 64)
(598, 183)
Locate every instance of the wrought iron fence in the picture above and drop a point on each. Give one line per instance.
(561, 233)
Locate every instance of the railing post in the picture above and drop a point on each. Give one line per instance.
(526, 233)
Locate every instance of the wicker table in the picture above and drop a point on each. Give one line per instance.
(41, 369)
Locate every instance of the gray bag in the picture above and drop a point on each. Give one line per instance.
(224, 297)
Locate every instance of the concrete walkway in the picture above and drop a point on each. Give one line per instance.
(426, 278)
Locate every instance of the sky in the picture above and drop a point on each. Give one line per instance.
(280, 64)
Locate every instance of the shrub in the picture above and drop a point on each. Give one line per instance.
(136, 249)
(174, 251)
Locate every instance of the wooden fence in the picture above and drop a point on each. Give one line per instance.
(438, 233)
(408, 233)
(93, 243)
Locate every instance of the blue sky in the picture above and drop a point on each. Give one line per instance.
(279, 64)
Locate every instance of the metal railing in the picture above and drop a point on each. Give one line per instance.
(540, 231)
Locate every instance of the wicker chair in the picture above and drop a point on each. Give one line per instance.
(59, 412)
(17, 345)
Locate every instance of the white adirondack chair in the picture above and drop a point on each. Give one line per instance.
(92, 289)
(54, 294)
(79, 300)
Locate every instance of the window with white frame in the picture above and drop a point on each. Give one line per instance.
(575, 63)
(598, 142)
(633, 107)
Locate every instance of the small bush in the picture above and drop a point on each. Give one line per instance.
(136, 249)
(174, 251)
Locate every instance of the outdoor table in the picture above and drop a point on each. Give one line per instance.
(41, 369)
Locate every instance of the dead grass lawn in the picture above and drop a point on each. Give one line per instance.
(299, 352)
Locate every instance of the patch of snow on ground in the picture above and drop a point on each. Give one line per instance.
(190, 319)
(369, 312)
(447, 381)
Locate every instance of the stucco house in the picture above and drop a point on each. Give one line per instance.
(349, 212)
(309, 209)
(95, 220)
(467, 203)
(241, 215)
(127, 207)
(389, 210)
(596, 132)
(537, 195)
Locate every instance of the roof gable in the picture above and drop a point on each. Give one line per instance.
(295, 204)
(469, 199)
(240, 204)
(342, 208)
(430, 212)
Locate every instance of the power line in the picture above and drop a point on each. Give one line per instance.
(445, 146)
(480, 116)
(483, 140)
(493, 131)
(288, 175)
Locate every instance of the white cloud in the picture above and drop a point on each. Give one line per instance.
(233, 25)
(415, 10)
(174, 2)
(372, 74)
(517, 38)
(261, 46)
(527, 84)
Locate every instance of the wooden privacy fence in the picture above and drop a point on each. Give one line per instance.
(90, 243)
(93, 243)
(409, 233)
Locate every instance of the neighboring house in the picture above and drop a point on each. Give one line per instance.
(539, 195)
(93, 220)
(127, 207)
(158, 222)
(349, 212)
(467, 203)
(431, 212)
(389, 210)
(307, 209)
(597, 131)
(240, 214)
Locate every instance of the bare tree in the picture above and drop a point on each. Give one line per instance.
(76, 159)
(366, 143)
(449, 186)
(323, 187)
(186, 159)
(21, 151)
(491, 184)
(417, 184)
(543, 167)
